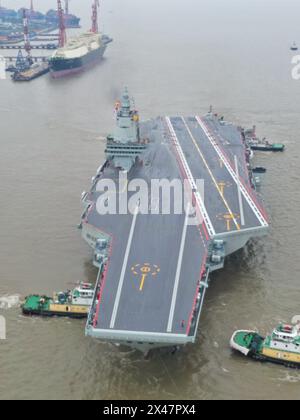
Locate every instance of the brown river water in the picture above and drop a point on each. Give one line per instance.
(176, 57)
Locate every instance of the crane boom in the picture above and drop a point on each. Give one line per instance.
(62, 28)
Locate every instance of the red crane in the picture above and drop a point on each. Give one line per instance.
(95, 28)
(62, 28)
(26, 36)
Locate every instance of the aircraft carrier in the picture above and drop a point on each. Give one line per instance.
(154, 268)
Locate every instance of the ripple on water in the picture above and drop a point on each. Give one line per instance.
(9, 302)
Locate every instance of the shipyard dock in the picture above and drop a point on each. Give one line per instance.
(44, 46)
(151, 289)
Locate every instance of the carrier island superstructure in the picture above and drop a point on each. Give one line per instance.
(154, 268)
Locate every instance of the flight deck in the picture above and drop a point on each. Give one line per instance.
(152, 283)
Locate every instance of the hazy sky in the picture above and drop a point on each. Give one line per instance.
(239, 12)
(219, 7)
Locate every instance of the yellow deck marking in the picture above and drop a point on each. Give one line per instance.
(222, 185)
(228, 224)
(145, 270)
(228, 219)
(211, 175)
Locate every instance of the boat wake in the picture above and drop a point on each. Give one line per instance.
(291, 378)
(9, 302)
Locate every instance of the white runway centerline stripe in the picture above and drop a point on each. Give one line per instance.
(178, 271)
(239, 191)
(125, 262)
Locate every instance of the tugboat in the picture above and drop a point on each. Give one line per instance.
(256, 144)
(268, 147)
(294, 47)
(35, 71)
(74, 303)
(264, 146)
(281, 347)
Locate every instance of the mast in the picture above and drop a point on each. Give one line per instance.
(21, 63)
(26, 36)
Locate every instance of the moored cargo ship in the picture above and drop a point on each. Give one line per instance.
(78, 54)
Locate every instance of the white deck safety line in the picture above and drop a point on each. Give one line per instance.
(178, 271)
(239, 191)
(200, 203)
(125, 262)
(237, 180)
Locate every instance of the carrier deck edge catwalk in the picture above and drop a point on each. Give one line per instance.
(154, 268)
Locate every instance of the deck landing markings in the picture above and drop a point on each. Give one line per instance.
(144, 271)
(210, 173)
(222, 186)
(229, 218)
